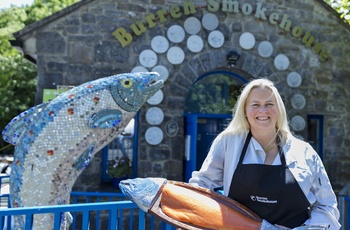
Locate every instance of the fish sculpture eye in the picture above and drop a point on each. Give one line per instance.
(127, 83)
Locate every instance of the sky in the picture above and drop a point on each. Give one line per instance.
(7, 3)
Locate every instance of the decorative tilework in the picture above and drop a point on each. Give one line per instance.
(55, 141)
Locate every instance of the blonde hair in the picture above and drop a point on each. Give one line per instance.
(240, 123)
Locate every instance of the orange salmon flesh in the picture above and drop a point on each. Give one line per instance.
(188, 206)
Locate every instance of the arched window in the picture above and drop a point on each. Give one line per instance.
(214, 93)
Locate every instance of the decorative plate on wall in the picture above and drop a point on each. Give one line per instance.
(210, 21)
(298, 101)
(162, 70)
(148, 58)
(154, 116)
(294, 79)
(216, 39)
(172, 128)
(192, 25)
(138, 69)
(281, 62)
(298, 123)
(176, 34)
(157, 98)
(175, 55)
(247, 40)
(195, 43)
(154, 135)
(265, 49)
(160, 44)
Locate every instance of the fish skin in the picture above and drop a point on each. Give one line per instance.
(55, 141)
(141, 191)
(144, 191)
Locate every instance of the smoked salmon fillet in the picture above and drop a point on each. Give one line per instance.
(189, 206)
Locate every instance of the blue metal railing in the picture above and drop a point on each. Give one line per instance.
(89, 197)
(113, 208)
(113, 205)
(89, 210)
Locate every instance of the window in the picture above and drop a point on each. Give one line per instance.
(213, 93)
(121, 146)
(315, 132)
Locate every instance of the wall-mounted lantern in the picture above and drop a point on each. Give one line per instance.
(232, 57)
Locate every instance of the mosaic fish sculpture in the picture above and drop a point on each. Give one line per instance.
(55, 141)
(193, 208)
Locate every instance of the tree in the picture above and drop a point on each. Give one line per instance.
(17, 75)
(342, 7)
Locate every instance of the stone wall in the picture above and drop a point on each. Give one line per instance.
(79, 46)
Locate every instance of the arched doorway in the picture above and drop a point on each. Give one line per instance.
(208, 109)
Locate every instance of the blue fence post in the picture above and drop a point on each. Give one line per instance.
(142, 220)
(115, 206)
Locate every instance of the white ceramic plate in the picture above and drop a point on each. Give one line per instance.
(176, 34)
(281, 62)
(160, 44)
(162, 70)
(298, 123)
(138, 69)
(148, 58)
(154, 135)
(210, 21)
(192, 25)
(298, 101)
(216, 39)
(154, 116)
(195, 43)
(175, 55)
(157, 98)
(294, 79)
(247, 40)
(265, 49)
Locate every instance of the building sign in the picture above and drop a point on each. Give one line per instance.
(229, 6)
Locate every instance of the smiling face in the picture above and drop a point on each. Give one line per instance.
(261, 110)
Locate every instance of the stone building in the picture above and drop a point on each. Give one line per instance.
(303, 46)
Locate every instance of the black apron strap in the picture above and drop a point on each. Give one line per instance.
(244, 150)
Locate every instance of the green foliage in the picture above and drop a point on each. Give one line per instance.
(215, 94)
(17, 75)
(44, 8)
(120, 167)
(342, 7)
(11, 20)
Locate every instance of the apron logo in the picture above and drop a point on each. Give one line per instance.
(262, 199)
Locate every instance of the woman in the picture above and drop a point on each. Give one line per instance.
(260, 164)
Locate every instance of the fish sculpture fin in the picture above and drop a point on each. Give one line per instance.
(107, 118)
(19, 124)
(83, 161)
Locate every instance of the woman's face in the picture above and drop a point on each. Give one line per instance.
(261, 110)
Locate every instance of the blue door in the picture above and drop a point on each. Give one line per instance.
(208, 110)
(201, 131)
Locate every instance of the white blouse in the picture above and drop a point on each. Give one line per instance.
(302, 160)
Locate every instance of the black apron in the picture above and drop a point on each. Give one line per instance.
(270, 191)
